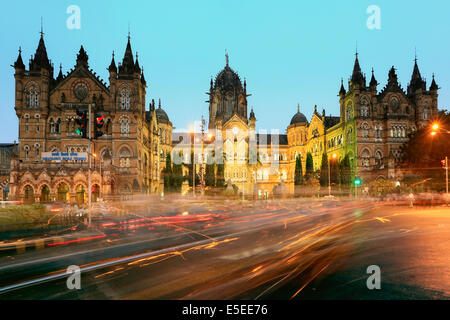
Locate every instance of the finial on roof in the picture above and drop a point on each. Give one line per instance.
(129, 31)
(42, 28)
(226, 56)
(298, 107)
(356, 52)
(159, 103)
(415, 54)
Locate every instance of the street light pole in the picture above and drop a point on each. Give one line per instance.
(446, 177)
(329, 179)
(202, 174)
(193, 160)
(329, 174)
(89, 170)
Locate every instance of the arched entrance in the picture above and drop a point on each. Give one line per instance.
(63, 191)
(80, 194)
(95, 192)
(45, 194)
(29, 194)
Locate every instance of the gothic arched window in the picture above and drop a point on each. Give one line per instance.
(365, 158)
(125, 100)
(378, 158)
(349, 111)
(32, 96)
(426, 114)
(27, 152)
(364, 108)
(124, 156)
(125, 126)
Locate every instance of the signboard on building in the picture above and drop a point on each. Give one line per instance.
(64, 156)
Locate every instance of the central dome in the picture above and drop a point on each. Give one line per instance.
(298, 118)
(161, 115)
(227, 79)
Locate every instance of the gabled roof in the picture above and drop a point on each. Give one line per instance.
(392, 85)
(331, 121)
(82, 71)
(268, 138)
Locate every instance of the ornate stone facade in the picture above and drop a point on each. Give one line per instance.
(127, 154)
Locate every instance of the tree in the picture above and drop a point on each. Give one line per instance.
(324, 171)
(220, 181)
(345, 172)
(309, 166)
(177, 173)
(209, 175)
(423, 153)
(167, 174)
(298, 178)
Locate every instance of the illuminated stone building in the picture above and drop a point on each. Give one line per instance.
(127, 154)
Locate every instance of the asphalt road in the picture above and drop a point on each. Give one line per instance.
(249, 250)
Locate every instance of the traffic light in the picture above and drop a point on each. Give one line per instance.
(357, 181)
(82, 123)
(98, 124)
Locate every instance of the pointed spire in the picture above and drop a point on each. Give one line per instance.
(142, 77)
(82, 58)
(342, 90)
(373, 81)
(252, 115)
(60, 75)
(112, 67)
(40, 59)
(357, 76)
(19, 62)
(127, 66)
(433, 86)
(136, 65)
(416, 79)
(392, 77)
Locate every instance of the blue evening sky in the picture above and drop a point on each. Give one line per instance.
(289, 51)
